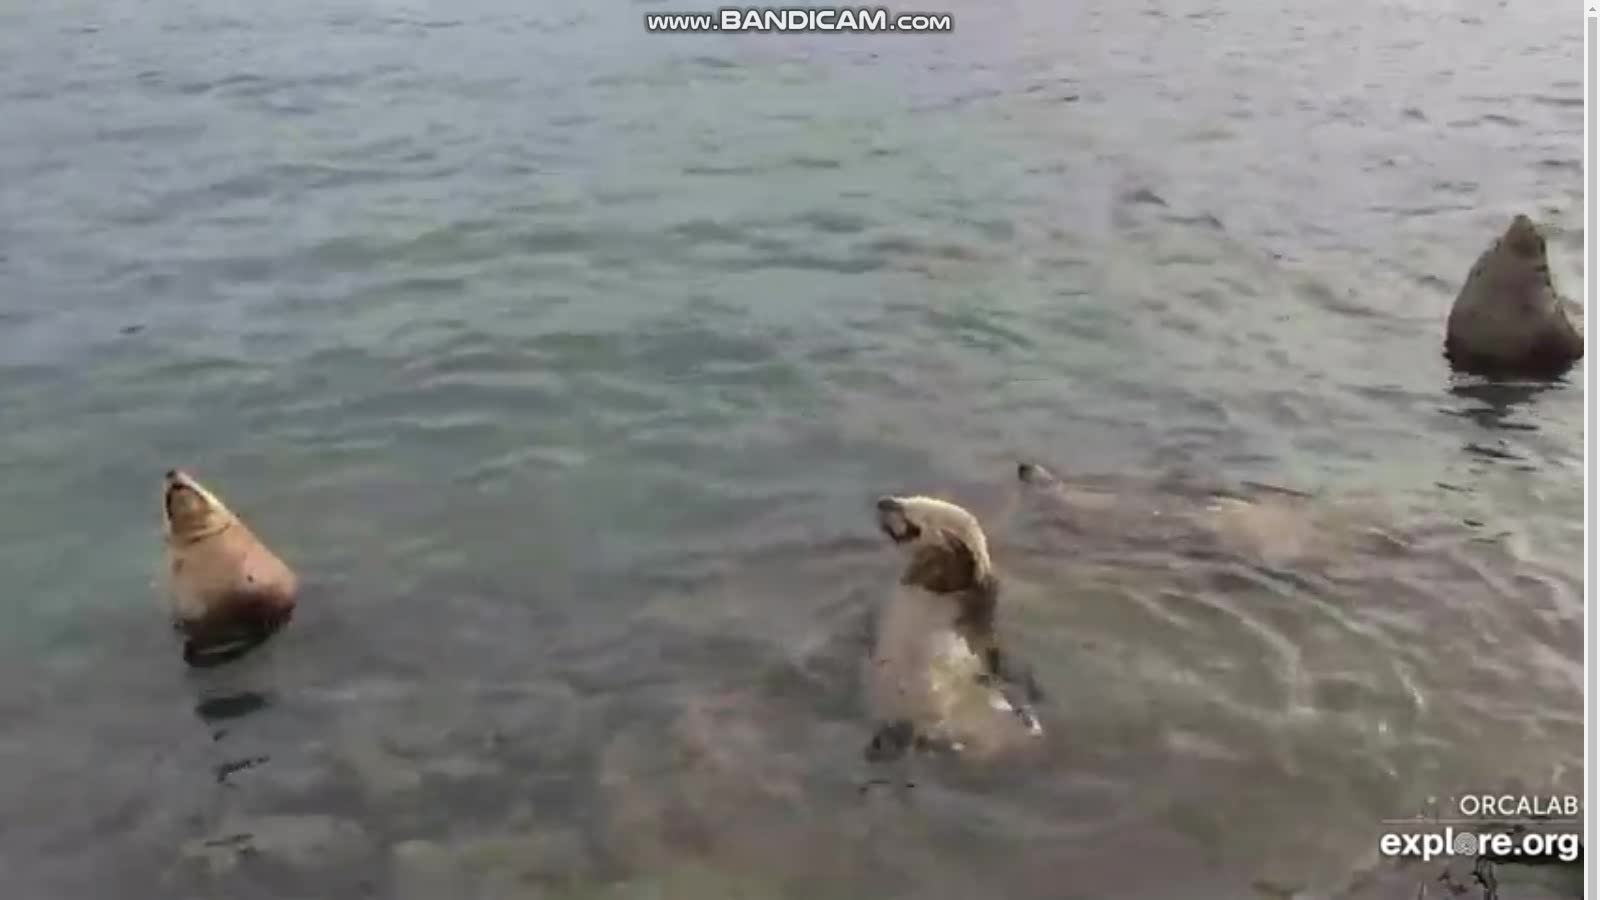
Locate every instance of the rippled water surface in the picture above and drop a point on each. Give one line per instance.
(564, 362)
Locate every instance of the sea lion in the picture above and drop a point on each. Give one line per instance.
(1263, 524)
(936, 676)
(228, 592)
(1508, 320)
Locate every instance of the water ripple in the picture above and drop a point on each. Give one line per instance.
(564, 360)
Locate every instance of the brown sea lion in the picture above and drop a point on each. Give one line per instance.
(937, 676)
(1508, 320)
(228, 591)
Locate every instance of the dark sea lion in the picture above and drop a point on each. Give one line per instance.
(1508, 320)
(228, 591)
(937, 675)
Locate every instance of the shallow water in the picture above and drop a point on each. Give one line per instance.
(564, 362)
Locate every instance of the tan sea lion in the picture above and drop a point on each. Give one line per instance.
(936, 676)
(1263, 524)
(1508, 320)
(228, 591)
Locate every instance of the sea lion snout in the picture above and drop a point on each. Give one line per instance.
(1523, 237)
(940, 534)
(178, 478)
(1033, 473)
(893, 522)
(189, 511)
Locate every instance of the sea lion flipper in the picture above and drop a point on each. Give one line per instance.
(1011, 676)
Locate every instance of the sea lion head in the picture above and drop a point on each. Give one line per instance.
(1524, 265)
(1035, 474)
(189, 512)
(949, 551)
(1523, 238)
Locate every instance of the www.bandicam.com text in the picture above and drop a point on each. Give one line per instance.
(807, 19)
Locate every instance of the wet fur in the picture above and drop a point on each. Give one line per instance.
(251, 618)
(1508, 320)
(950, 568)
(229, 592)
(1273, 528)
(949, 575)
(1551, 355)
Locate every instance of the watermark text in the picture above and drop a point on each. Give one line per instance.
(766, 19)
(1427, 845)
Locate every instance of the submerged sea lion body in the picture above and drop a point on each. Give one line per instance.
(936, 675)
(1508, 319)
(228, 591)
(1257, 523)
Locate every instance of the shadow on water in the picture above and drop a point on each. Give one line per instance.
(225, 770)
(210, 655)
(220, 710)
(1492, 403)
(1502, 410)
(216, 710)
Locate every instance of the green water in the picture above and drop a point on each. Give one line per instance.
(564, 362)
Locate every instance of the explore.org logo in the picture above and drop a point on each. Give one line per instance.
(1491, 826)
(1565, 846)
